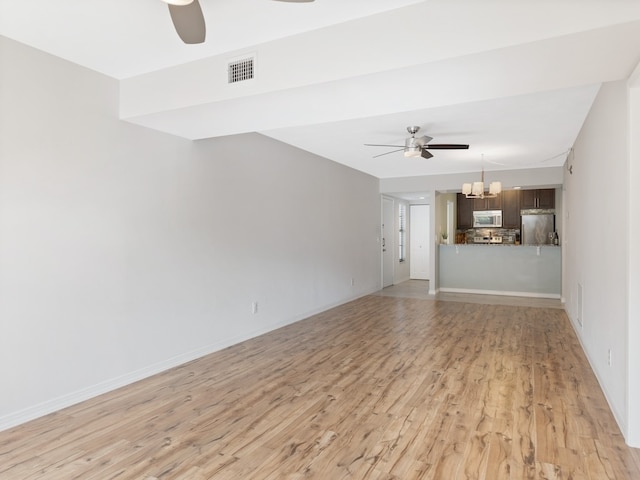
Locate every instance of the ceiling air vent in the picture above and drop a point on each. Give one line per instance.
(241, 70)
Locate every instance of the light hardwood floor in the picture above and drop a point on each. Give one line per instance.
(385, 387)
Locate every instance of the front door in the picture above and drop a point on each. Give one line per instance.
(387, 241)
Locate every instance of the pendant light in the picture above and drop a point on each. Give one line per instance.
(476, 189)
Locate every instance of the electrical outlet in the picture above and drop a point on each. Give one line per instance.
(254, 307)
(353, 282)
(609, 358)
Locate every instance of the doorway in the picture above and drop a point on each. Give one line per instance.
(419, 217)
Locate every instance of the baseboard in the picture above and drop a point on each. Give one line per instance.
(500, 292)
(50, 406)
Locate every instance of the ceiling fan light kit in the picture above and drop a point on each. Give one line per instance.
(411, 147)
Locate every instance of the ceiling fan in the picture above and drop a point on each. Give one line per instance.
(188, 19)
(419, 147)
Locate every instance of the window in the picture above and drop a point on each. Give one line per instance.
(402, 233)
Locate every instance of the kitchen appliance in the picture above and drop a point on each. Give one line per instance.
(538, 229)
(487, 218)
(489, 239)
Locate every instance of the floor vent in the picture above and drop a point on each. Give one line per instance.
(241, 70)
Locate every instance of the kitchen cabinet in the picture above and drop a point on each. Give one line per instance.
(494, 203)
(547, 198)
(511, 208)
(465, 212)
(540, 198)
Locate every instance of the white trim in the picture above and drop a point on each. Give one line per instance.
(499, 292)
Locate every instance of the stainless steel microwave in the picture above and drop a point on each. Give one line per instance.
(487, 218)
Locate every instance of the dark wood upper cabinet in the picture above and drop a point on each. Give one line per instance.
(541, 198)
(528, 198)
(547, 198)
(465, 212)
(494, 203)
(511, 208)
(509, 201)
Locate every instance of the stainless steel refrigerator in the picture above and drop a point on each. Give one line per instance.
(538, 229)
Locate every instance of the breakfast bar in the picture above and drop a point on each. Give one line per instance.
(519, 270)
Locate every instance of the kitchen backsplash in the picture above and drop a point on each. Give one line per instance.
(509, 236)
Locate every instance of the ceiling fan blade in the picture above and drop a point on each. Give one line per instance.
(387, 153)
(425, 153)
(378, 145)
(447, 146)
(189, 22)
(423, 140)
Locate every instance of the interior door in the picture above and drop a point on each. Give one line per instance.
(419, 242)
(387, 235)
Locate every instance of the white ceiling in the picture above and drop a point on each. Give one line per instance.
(552, 121)
(515, 80)
(123, 38)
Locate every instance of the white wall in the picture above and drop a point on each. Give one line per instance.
(442, 216)
(124, 251)
(595, 225)
(633, 219)
(438, 224)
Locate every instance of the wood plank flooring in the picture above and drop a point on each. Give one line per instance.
(381, 388)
